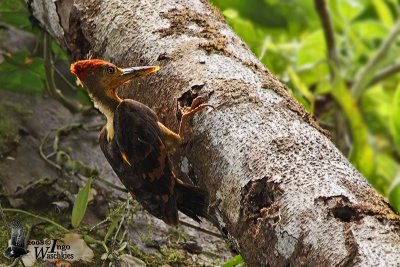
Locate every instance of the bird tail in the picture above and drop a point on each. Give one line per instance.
(193, 202)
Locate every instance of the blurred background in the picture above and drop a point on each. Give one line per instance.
(353, 88)
(339, 59)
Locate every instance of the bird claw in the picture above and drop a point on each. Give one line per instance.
(198, 101)
(196, 106)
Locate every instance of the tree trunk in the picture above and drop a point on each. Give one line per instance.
(282, 191)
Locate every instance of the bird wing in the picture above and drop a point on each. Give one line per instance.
(139, 139)
(145, 171)
(136, 133)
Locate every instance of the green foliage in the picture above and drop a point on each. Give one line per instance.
(19, 71)
(394, 114)
(14, 12)
(114, 217)
(288, 38)
(361, 155)
(238, 259)
(22, 67)
(394, 194)
(22, 74)
(80, 205)
(9, 134)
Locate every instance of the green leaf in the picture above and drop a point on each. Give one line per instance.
(230, 13)
(15, 13)
(383, 11)
(22, 73)
(349, 10)
(362, 154)
(386, 171)
(111, 228)
(312, 48)
(83, 97)
(369, 30)
(324, 86)
(394, 194)
(377, 109)
(234, 261)
(80, 205)
(395, 118)
(250, 33)
(298, 83)
(115, 217)
(58, 51)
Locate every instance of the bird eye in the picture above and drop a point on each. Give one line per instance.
(110, 70)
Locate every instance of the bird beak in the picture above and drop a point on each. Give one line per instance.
(130, 73)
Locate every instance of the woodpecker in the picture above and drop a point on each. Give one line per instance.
(137, 145)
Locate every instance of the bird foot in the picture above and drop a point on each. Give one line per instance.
(196, 106)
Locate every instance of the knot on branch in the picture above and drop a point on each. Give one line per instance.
(341, 208)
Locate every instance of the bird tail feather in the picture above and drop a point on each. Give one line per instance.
(193, 202)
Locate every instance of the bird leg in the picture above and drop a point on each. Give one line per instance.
(174, 140)
(196, 106)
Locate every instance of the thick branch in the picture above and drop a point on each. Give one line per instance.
(283, 192)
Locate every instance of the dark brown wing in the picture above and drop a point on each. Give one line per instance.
(139, 139)
(126, 174)
(146, 171)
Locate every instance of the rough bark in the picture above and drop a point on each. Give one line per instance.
(284, 194)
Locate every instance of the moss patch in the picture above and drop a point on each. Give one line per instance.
(167, 255)
(10, 108)
(9, 134)
(4, 237)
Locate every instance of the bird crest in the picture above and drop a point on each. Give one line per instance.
(81, 68)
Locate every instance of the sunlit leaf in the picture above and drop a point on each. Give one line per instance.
(377, 106)
(370, 30)
(384, 13)
(386, 171)
(349, 9)
(362, 154)
(312, 48)
(323, 87)
(230, 13)
(395, 116)
(234, 261)
(80, 205)
(251, 34)
(394, 193)
(299, 85)
(313, 73)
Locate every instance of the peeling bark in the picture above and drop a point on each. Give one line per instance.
(284, 194)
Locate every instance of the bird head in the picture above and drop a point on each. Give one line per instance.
(102, 78)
